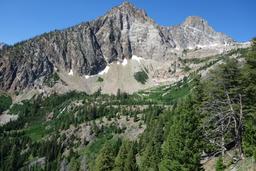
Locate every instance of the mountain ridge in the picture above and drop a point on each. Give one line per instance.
(88, 48)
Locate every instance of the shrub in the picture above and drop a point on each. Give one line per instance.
(100, 79)
(141, 77)
(186, 68)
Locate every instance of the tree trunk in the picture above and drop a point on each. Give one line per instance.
(240, 129)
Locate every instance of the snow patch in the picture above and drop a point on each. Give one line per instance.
(104, 71)
(87, 76)
(190, 47)
(71, 72)
(124, 62)
(177, 48)
(208, 46)
(136, 58)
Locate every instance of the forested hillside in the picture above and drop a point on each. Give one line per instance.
(176, 127)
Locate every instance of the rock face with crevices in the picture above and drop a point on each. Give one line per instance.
(87, 48)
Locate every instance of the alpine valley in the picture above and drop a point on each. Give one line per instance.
(124, 93)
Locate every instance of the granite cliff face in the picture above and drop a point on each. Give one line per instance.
(88, 48)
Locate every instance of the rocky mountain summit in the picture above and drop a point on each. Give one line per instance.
(195, 32)
(2, 45)
(123, 34)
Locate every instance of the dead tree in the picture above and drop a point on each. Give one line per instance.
(223, 123)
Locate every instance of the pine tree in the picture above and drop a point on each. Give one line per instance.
(121, 156)
(219, 165)
(181, 150)
(223, 107)
(152, 154)
(13, 159)
(248, 82)
(130, 162)
(125, 160)
(105, 160)
(74, 164)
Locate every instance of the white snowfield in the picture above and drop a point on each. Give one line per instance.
(136, 58)
(105, 71)
(71, 72)
(209, 46)
(87, 76)
(124, 62)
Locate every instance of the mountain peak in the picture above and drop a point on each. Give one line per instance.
(126, 4)
(2, 45)
(191, 19)
(85, 50)
(195, 21)
(128, 8)
(198, 23)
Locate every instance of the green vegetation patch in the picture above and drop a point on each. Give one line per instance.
(186, 68)
(141, 77)
(167, 94)
(100, 79)
(35, 132)
(5, 102)
(92, 150)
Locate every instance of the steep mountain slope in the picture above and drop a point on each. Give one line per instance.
(79, 53)
(167, 124)
(201, 116)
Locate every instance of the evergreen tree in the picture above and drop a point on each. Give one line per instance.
(130, 161)
(249, 90)
(181, 150)
(219, 165)
(74, 164)
(122, 155)
(152, 154)
(105, 160)
(13, 159)
(125, 160)
(224, 78)
(222, 109)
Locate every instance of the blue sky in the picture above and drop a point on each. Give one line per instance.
(23, 19)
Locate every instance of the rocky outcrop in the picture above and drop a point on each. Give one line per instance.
(2, 45)
(87, 48)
